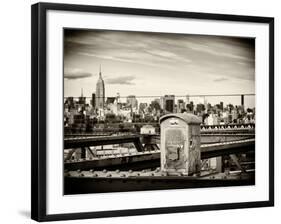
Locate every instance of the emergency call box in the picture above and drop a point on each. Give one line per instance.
(180, 144)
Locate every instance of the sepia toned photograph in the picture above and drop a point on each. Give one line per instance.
(157, 111)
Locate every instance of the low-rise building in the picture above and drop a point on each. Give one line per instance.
(147, 129)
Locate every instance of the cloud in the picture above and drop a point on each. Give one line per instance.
(74, 74)
(218, 51)
(220, 79)
(126, 47)
(121, 80)
(124, 56)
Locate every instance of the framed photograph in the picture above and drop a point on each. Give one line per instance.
(139, 111)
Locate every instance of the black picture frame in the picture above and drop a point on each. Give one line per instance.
(39, 122)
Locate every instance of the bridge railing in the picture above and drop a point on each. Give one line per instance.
(228, 126)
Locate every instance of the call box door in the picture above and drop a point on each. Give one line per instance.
(175, 148)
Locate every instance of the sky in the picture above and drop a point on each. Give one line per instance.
(156, 64)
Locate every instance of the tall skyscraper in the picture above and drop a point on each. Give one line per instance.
(93, 101)
(100, 92)
(187, 99)
(242, 101)
(132, 101)
(82, 99)
(70, 102)
(180, 106)
(162, 102)
(169, 103)
(221, 105)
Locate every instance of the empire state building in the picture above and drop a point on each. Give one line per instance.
(100, 93)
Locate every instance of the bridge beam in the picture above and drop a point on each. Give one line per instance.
(152, 159)
(236, 161)
(138, 145)
(215, 150)
(69, 155)
(70, 143)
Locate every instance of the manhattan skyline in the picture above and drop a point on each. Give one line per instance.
(155, 64)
